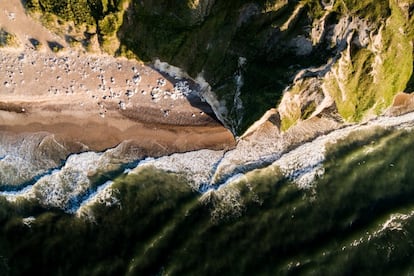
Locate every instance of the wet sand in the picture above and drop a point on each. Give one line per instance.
(95, 103)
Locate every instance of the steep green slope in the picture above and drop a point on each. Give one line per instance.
(365, 79)
(251, 52)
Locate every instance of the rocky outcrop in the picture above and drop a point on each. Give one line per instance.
(311, 67)
(346, 48)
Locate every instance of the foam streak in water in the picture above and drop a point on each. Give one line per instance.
(105, 194)
(69, 188)
(26, 192)
(197, 166)
(304, 163)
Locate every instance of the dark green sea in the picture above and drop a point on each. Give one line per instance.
(357, 218)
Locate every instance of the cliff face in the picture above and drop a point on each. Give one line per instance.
(302, 56)
(302, 190)
(354, 56)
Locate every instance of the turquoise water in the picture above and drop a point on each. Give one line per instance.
(356, 218)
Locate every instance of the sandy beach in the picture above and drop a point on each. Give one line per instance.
(96, 101)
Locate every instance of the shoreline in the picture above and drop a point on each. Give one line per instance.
(96, 103)
(85, 131)
(197, 165)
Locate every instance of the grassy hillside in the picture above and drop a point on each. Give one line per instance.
(370, 58)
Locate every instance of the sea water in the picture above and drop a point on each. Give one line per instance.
(356, 217)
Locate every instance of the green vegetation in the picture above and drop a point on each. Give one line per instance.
(78, 11)
(7, 39)
(264, 224)
(108, 26)
(374, 11)
(214, 46)
(82, 19)
(292, 109)
(365, 82)
(308, 110)
(208, 37)
(351, 86)
(289, 121)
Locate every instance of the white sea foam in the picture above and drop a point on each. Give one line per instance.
(105, 194)
(218, 107)
(24, 158)
(171, 70)
(313, 153)
(28, 221)
(395, 222)
(66, 185)
(301, 165)
(25, 193)
(64, 188)
(226, 201)
(305, 163)
(197, 166)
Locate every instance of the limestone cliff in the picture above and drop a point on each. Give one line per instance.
(304, 56)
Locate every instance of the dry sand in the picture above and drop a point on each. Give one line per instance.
(94, 102)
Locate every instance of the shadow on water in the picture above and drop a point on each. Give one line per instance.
(16, 188)
(160, 224)
(99, 180)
